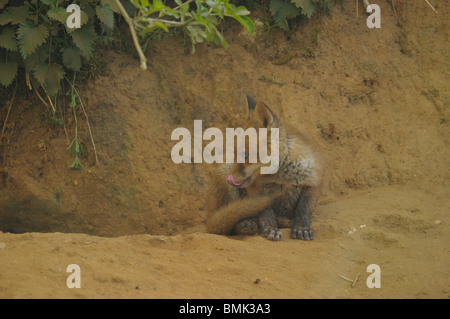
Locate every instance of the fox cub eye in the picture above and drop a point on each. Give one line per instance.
(245, 155)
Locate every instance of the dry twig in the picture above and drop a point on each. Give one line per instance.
(133, 35)
(9, 109)
(353, 281)
(356, 279)
(431, 6)
(393, 8)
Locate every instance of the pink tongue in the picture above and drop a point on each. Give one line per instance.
(230, 180)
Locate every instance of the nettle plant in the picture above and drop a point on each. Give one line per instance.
(199, 21)
(284, 11)
(34, 34)
(35, 37)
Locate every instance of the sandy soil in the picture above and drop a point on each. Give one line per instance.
(403, 229)
(376, 102)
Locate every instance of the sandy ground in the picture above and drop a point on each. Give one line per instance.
(377, 102)
(406, 234)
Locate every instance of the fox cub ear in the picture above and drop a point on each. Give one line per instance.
(259, 111)
(251, 103)
(262, 115)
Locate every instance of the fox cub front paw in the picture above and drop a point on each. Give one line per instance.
(272, 234)
(302, 233)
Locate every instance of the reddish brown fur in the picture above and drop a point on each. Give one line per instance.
(288, 195)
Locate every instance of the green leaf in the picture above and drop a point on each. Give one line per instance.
(157, 5)
(113, 5)
(9, 72)
(84, 18)
(76, 164)
(196, 33)
(72, 58)
(307, 7)
(8, 39)
(201, 10)
(58, 14)
(105, 15)
(38, 57)
(84, 39)
(221, 39)
(283, 10)
(90, 12)
(69, 148)
(49, 75)
(246, 23)
(30, 37)
(161, 25)
(241, 11)
(14, 15)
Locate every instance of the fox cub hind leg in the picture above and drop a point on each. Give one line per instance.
(264, 224)
(248, 226)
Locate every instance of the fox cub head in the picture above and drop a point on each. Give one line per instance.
(253, 156)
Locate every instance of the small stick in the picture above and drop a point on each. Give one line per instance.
(63, 116)
(27, 80)
(353, 281)
(9, 109)
(356, 279)
(49, 99)
(63, 122)
(395, 12)
(133, 35)
(40, 98)
(431, 6)
(345, 278)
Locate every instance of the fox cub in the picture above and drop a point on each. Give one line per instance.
(241, 200)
